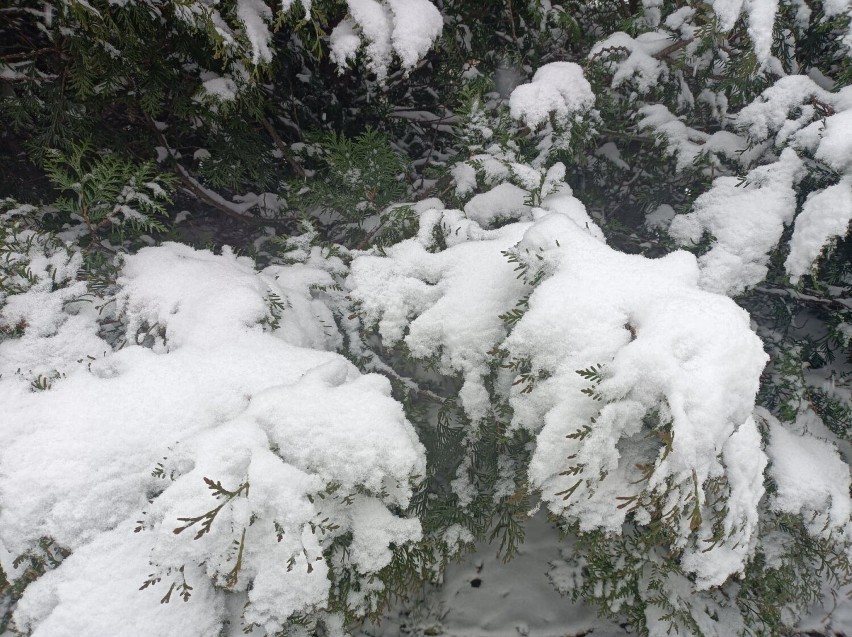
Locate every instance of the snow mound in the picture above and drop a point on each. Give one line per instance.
(812, 479)
(825, 215)
(250, 467)
(747, 220)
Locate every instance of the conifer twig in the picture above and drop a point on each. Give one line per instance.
(279, 143)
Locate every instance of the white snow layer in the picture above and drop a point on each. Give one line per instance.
(640, 66)
(558, 88)
(825, 215)
(58, 332)
(221, 400)
(747, 221)
(812, 479)
(505, 201)
(747, 217)
(666, 347)
(406, 28)
(416, 25)
(255, 14)
(761, 18)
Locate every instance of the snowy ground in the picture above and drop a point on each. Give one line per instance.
(483, 597)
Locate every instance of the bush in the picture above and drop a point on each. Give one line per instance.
(580, 256)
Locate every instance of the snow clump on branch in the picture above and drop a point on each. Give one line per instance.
(558, 88)
(638, 385)
(406, 28)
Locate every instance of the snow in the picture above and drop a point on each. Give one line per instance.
(286, 5)
(503, 202)
(811, 478)
(826, 215)
(747, 221)
(665, 344)
(96, 592)
(485, 597)
(835, 7)
(218, 396)
(407, 28)
(640, 66)
(59, 329)
(744, 466)
(761, 20)
(374, 22)
(682, 340)
(610, 152)
(660, 217)
(686, 143)
(255, 14)
(221, 88)
(465, 177)
(557, 88)
(835, 149)
(416, 25)
(225, 391)
(770, 111)
(727, 12)
(453, 298)
(343, 43)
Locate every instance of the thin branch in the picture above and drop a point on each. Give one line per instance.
(285, 151)
(677, 46)
(217, 201)
(379, 366)
(511, 13)
(12, 57)
(807, 299)
(235, 211)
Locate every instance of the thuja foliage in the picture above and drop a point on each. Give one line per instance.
(444, 194)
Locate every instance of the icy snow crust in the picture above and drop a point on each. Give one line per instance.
(669, 351)
(266, 414)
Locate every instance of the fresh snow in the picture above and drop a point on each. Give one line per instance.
(746, 219)
(665, 345)
(126, 442)
(812, 479)
(407, 28)
(826, 215)
(558, 88)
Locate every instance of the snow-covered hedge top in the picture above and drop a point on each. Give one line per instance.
(238, 456)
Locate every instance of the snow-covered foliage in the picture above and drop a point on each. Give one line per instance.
(558, 88)
(588, 258)
(747, 221)
(223, 456)
(42, 330)
(607, 351)
(406, 28)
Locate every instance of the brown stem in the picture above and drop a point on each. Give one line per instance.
(282, 147)
(511, 13)
(200, 192)
(12, 57)
(677, 46)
